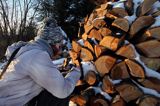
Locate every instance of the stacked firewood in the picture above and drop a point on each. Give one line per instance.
(121, 39)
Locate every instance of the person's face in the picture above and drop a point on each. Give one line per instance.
(57, 50)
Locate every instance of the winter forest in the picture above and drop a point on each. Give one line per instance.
(117, 40)
(19, 18)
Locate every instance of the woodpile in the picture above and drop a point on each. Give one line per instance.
(122, 40)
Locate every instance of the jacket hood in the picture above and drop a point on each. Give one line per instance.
(26, 46)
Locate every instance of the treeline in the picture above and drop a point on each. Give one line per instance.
(18, 18)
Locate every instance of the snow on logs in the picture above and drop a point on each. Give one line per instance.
(121, 39)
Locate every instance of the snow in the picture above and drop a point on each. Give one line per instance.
(81, 42)
(119, 5)
(72, 103)
(148, 90)
(149, 72)
(88, 66)
(157, 22)
(58, 61)
(131, 18)
(99, 18)
(156, 5)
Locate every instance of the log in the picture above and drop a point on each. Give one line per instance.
(140, 23)
(153, 33)
(151, 82)
(86, 54)
(95, 34)
(129, 91)
(135, 69)
(84, 36)
(100, 102)
(76, 46)
(73, 54)
(152, 63)
(111, 16)
(98, 23)
(119, 12)
(105, 31)
(91, 77)
(118, 101)
(88, 45)
(110, 42)
(150, 48)
(78, 99)
(87, 94)
(156, 14)
(146, 6)
(104, 64)
(121, 23)
(97, 100)
(148, 100)
(101, 13)
(119, 71)
(87, 28)
(127, 51)
(98, 50)
(129, 6)
(107, 85)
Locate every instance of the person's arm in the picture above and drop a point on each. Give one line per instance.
(45, 73)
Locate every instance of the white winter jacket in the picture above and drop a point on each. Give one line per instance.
(30, 72)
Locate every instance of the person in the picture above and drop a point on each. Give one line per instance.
(32, 70)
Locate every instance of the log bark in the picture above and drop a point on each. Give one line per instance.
(104, 64)
(152, 83)
(152, 63)
(153, 33)
(128, 91)
(140, 23)
(146, 6)
(150, 48)
(119, 12)
(135, 69)
(148, 100)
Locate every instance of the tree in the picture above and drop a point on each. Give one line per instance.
(68, 13)
(17, 16)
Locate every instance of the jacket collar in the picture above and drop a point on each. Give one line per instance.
(44, 46)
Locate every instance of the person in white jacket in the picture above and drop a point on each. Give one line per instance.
(32, 69)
